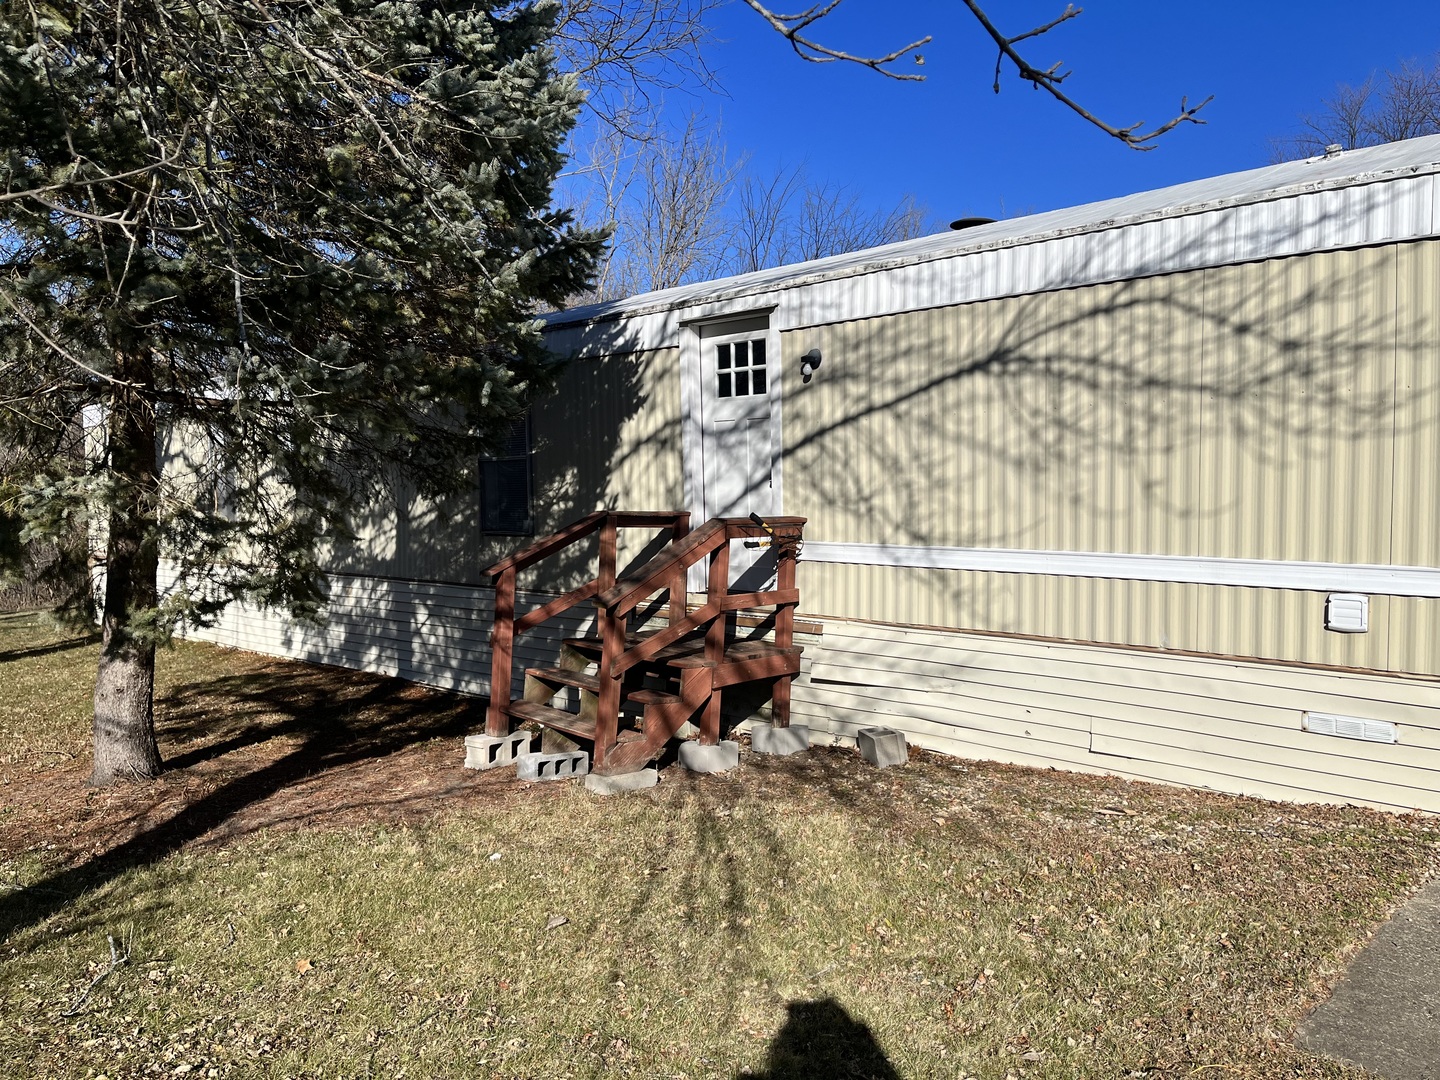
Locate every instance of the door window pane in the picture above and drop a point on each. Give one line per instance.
(740, 368)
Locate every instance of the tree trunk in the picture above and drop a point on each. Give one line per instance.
(125, 746)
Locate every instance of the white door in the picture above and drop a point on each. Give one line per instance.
(737, 380)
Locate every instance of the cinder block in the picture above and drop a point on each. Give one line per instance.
(495, 751)
(882, 746)
(621, 782)
(535, 767)
(767, 739)
(706, 759)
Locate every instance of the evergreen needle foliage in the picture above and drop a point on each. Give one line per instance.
(259, 259)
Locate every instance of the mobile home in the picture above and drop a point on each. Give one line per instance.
(1143, 487)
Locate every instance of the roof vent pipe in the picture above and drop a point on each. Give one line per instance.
(1334, 150)
(970, 222)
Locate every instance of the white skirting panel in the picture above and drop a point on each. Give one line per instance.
(1226, 725)
(1205, 722)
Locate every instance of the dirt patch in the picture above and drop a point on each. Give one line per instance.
(266, 744)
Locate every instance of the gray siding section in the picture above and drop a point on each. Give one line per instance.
(609, 438)
(435, 635)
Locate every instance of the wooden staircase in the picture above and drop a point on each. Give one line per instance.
(637, 689)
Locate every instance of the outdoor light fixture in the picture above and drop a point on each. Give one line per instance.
(808, 363)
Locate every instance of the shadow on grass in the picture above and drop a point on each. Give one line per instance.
(328, 718)
(821, 1041)
(46, 650)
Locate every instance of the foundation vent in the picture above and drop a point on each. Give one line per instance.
(1350, 727)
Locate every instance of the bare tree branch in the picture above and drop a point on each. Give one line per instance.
(1049, 80)
(628, 53)
(116, 959)
(794, 28)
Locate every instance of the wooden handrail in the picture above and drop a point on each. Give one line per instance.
(674, 632)
(739, 601)
(639, 519)
(630, 590)
(666, 571)
(535, 616)
(576, 530)
(681, 554)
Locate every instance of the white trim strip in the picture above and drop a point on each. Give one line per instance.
(1254, 573)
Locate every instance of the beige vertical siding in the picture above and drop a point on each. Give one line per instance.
(1414, 632)
(1280, 410)
(609, 438)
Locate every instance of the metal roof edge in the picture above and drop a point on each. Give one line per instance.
(677, 298)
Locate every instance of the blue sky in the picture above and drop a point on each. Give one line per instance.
(962, 150)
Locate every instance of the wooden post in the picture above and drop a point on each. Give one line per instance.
(502, 640)
(715, 637)
(607, 704)
(678, 596)
(784, 635)
(680, 589)
(608, 536)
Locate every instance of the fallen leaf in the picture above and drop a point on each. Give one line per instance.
(556, 921)
(302, 965)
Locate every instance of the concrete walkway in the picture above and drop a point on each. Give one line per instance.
(1385, 1013)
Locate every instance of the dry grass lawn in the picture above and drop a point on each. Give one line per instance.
(318, 889)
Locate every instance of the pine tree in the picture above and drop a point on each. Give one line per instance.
(258, 257)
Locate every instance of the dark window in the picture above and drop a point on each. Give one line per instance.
(505, 485)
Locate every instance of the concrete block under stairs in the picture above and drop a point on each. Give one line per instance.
(882, 746)
(495, 751)
(708, 759)
(782, 741)
(622, 782)
(536, 767)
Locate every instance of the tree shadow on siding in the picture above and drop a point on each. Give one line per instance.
(1163, 414)
(409, 596)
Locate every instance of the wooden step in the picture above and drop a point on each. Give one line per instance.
(740, 652)
(594, 645)
(684, 647)
(576, 727)
(563, 677)
(745, 661)
(652, 697)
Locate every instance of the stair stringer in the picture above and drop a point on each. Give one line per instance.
(660, 723)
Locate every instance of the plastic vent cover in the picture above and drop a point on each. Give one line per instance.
(1347, 613)
(1351, 727)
